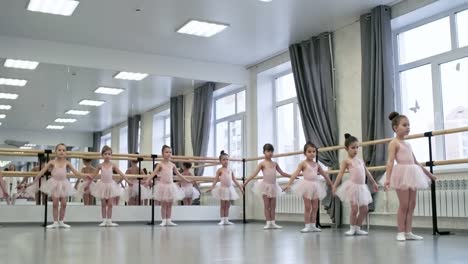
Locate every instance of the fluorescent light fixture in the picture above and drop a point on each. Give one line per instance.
(5, 107)
(2, 116)
(134, 76)
(77, 112)
(202, 28)
(55, 7)
(91, 102)
(265, 0)
(21, 64)
(9, 96)
(30, 145)
(12, 82)
(54, 127)
(65, 120)
(24, 147)
(108, 90)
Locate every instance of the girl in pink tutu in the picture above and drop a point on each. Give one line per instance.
(81, 184)
(131, 193)
(4, 190)
(311, 188)
(406, 176)
(106, 188)
(225, 192)
(166, 191)
(190, 192)
(268, 188)
(58, 186)
(355, 190)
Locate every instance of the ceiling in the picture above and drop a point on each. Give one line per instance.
(258, 29)
(53, 89)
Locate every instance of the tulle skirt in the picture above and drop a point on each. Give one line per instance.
(310, 189)
(225, 193)
(271, 190)
(105, 190)
(166, 192)
(354, 193)
(409, 176)
(190, 192)
(57, 188)
(130, 192)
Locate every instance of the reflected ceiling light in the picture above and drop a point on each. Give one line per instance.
(13, 82)
(91, 102)
(21, 64)
(202, 28)
(55, 7)
(108, 90)
(54, 127)
(133, 76)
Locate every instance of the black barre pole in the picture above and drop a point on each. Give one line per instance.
(139, 180)
(430, 163)
(47, 152)
(244, 218)
(317, 222)
(154, 157)
(40, 158)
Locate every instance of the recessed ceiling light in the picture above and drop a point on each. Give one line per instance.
(134, 76)
(2, 116)
(9, 96)
(21, 64)
(30, 145)
(54, 127)
(5, 107)
(65, 120)
(265, 0)
(91, 102)
(202, 28)
(108, 90)
(77, 112)
(55, 7)
(12, 82)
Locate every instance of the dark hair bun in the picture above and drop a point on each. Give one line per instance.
(347, 135)
(392, 115)
(222, 152)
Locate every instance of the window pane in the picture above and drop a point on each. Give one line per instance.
(301, 129)
(123, 147)
(241, 102)
(285, 87)
(222, 137)
(235, 145)
(424, 41)
(417, 105)
(167, 126)
(455, 100)
(225, 106)
(462, 28)
(167, 140)
(285, 138)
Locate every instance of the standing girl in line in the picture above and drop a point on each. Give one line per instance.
(311, 188)
(406, 176)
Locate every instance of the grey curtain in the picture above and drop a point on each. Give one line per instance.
(377, 84)
(201, 119)
(96, 146)
(177, 125)
(313, 75)
(132, 135)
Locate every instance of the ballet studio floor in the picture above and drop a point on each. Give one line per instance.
(207, 242)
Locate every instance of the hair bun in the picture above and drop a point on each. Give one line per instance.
(392, 115)
(222, 152)
(347, 135)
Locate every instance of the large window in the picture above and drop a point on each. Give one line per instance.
(289, 134)
(229, 116)
(106, 140)
(123, 147)
(161, 131)
(432, 67)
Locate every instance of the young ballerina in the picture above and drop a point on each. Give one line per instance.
(225, 192)
(131, 193)
(355, 190)
(58, 186)
(268, 188)
(4, 190)
(190, 191)
(166, 191)
(106, 188)
(311, 188)
(406, 176)
(81, 185)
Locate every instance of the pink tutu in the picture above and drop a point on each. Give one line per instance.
(225, 193)
(354, 193)
(310, 189)
(409, 176)
(168, 192)
(131, 192)
(57, 188)
(104, 190)
(190, 192)
(271, 190)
